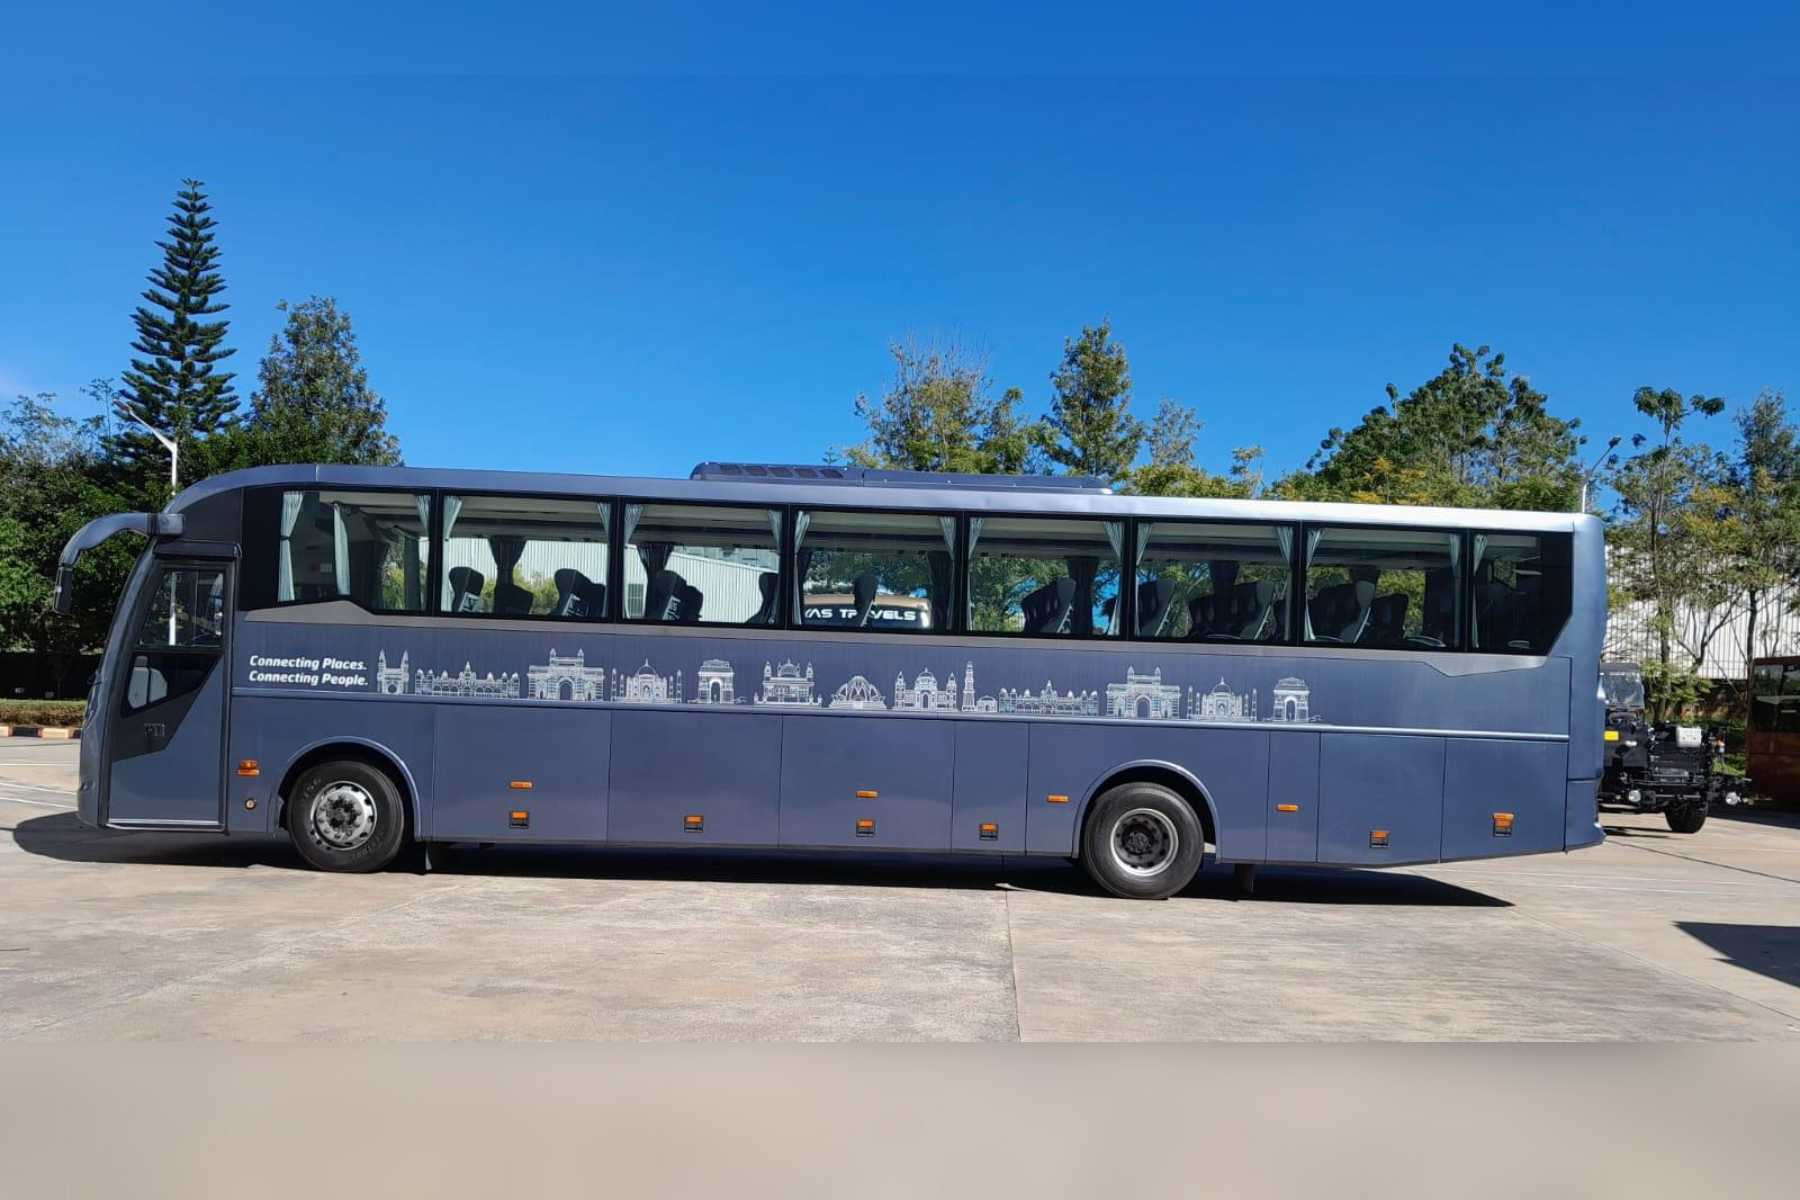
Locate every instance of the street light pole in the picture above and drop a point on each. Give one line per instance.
(1588, 478)
(168, 443)
(174, 448)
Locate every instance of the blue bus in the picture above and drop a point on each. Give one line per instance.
(833, 657)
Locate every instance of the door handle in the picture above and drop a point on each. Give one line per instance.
(156, 735)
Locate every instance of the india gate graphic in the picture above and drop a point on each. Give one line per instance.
(1291, 696)
(715, 681)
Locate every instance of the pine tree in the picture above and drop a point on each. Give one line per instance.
(175, 386)
(1091, 411)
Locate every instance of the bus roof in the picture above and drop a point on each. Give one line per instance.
(874, 492)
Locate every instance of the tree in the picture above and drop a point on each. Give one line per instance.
(51, 484)
(1666, 537)
(313, 402)
(176, 387)
(1754, 512)
(1090, 411)
(1173, 469)
(938, 414)
(1472, 435)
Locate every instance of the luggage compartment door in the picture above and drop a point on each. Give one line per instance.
(837, 772)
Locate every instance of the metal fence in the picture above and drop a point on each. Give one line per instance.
(1715, 636)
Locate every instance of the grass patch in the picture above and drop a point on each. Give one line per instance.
(64, 714)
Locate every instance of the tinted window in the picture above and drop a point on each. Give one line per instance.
(864, 570)
(1221, 583)
(1765, 699)
(311, 546)
(186, 611)
(1522, 590)
(515, 556)
(1052, 578)
(706, 565)
(1392, 588)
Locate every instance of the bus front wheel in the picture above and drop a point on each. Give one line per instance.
(1142, 841)
(346, 815)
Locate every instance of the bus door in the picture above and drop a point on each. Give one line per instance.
(166, 740)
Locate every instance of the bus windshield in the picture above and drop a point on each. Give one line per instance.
(1623, 686)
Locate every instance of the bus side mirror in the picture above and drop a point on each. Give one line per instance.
(150, 525)
(62, 595)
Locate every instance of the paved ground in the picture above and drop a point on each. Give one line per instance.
(107, 935)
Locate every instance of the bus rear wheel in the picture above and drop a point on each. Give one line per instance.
(1142, 842)
(346, 815)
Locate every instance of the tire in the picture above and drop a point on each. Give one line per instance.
(1142, 842)
(1686, 818)
(346, 815)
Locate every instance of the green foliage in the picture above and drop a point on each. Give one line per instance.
(58, 714)
(938, 414)
(1670, 689)
(1173, 469)
(1667, 535)
(1749, 520)
(1090, 411)
(176, 386)
(1472, 435)
(52, 482)
(312, 404)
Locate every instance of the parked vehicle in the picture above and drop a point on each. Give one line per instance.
(1656, 767)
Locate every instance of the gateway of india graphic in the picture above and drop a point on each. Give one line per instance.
(786, 687)
(393, 681)
(566, 678)
(1144, 697)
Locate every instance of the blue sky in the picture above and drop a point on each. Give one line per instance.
(705, 253)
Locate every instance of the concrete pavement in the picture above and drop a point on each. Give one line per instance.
(154, 936)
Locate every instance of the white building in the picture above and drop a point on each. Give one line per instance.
(566, 678)
(787, 687)
(1222, 704)
(1049, 703)
(859, 693)
(467, 684)
(645, 686)
(391, 681)
(1291, 700)
(715, 683)
(925, 695)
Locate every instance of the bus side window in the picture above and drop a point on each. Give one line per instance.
(872, 570)
(691, 564)
(310, 547)
(523, 556)
(1395, 589)
(1219, 583)
(1049, 577)
(1523, 589)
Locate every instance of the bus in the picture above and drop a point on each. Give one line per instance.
(1772, 741)
(813, 658)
